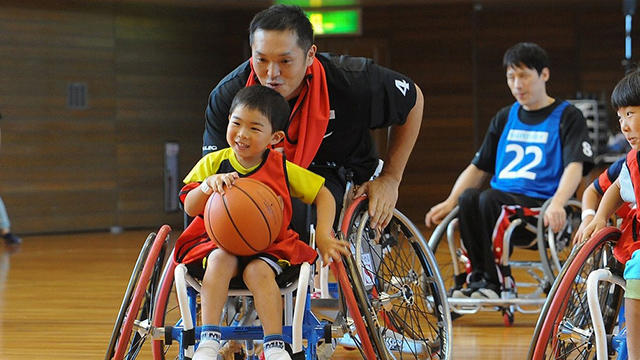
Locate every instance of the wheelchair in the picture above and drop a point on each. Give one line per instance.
(582, 317)
(390, 301)
(526, 230)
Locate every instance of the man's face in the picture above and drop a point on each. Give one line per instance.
(279, 62)
(527, 86)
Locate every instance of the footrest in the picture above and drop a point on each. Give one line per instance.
(325, 309)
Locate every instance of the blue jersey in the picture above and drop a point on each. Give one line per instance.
(529, 157)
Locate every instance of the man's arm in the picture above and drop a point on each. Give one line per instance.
(471, 177)
(383, 191)
(555, 216)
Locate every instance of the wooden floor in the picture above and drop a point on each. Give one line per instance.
(59, 296)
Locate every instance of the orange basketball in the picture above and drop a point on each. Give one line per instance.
(246, 219)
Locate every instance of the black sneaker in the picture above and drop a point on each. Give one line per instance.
(11, 239)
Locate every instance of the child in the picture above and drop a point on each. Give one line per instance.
(626, 99)
(257, 118)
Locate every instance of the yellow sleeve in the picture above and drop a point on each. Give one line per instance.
(206, 166)
(303, 184)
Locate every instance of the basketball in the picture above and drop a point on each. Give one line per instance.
(244, 220)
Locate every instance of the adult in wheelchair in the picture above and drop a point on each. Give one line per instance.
(541, 254)
(534, 149)
(390, 301)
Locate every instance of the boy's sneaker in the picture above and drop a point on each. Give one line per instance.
(11, 239)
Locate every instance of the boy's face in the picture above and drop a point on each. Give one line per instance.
(249, 134)
(279, 62)
(629, 118)
(527, 86)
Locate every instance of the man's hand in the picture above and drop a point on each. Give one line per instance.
(438, 212)
(383, 195)
(555, 216)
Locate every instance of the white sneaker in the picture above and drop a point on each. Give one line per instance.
(208, 350)
(484, 293)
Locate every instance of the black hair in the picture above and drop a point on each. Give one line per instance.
(265, 100)
(284, 17)
(627, 91)
(528, 54)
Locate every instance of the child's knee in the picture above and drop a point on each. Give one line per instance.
(258, 272)
(221, 262)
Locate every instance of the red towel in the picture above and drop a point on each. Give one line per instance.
(309, 117)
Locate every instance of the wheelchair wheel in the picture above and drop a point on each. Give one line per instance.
(368, 340)
(564, 330)
(451, 260)
(401, 284)
(137, 306)
(166, 312)
(555, 248)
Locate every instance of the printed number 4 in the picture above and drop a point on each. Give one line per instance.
(523, 172)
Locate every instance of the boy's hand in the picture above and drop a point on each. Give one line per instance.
(331, 248)
(594, 226)
(578, 236)
(217, 182)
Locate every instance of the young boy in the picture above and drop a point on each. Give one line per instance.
(257, 118)
(626, 99)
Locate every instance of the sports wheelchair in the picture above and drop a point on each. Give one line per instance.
(390, 301)
(525, 230)
(582, 317)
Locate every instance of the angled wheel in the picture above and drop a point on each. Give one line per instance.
(353, 305)
(401, 285)
(446, 245)
(565, 330)
(554, 249)
(166, 314)
(137, 306)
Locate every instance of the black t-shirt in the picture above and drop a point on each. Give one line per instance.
(574, 136)
(362, 96)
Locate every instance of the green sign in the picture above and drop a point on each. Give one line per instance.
(317, 3)
(335, 22)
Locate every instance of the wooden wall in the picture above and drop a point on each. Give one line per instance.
(454, 52)
(149, 70)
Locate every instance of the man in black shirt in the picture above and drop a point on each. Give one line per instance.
(335, 101)
(534, 149)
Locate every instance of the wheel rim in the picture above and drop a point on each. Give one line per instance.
(401, 293)
(567, 331)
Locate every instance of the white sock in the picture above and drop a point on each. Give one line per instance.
(274, 349)
(209, 345)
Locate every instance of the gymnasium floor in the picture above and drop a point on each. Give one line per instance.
(59, 296)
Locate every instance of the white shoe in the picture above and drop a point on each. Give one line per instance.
(208, 350)
(485, 293)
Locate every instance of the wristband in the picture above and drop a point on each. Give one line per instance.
(587, 212)
(204, 187)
